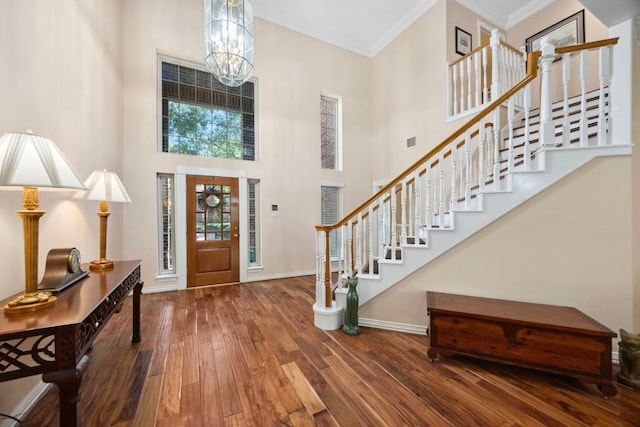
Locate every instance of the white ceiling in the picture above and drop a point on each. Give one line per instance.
(366, 26)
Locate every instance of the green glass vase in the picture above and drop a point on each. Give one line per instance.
(350, 326)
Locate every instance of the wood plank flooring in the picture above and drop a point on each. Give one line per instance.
(249, 355)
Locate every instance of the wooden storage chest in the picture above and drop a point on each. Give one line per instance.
(556, 339)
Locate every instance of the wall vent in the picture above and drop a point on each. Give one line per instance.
(411, 142)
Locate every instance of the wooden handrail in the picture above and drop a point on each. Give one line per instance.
(462, 58)
(587, 46)
(532, 73)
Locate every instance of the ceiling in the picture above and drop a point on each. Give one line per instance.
(366, 26)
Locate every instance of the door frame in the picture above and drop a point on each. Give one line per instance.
(181, 218)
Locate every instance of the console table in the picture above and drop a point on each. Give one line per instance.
(556, 339)
(54, 341)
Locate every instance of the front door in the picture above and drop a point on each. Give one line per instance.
(212, 230)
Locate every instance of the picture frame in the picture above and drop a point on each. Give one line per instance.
(567, 32)
(463, 41)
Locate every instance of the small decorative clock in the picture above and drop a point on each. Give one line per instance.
(62, 269)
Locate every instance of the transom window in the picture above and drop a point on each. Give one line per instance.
(203, 117)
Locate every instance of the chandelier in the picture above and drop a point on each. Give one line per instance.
(228, 40)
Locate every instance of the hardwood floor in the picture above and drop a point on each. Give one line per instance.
(249, 355)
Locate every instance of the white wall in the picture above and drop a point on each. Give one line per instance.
(292, 71)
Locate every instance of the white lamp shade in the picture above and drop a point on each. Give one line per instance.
(28, 160)
(104, 186)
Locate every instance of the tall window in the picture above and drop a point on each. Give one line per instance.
(254, 206)
(203, 117)
(330, 132)
(166, 224)
(330, 214)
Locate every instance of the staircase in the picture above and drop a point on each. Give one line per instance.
(503, 156)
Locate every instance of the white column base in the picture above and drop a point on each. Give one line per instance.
(328, 318)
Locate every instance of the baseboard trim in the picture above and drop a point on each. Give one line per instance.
(25, 405)
(393, 326)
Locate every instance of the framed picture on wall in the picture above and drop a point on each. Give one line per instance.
(567, 32)
(463, 41)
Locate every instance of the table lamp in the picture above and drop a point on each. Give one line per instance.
(106, 187)
(31, 162)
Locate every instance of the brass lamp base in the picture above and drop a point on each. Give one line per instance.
(30, 302)
(101, 264)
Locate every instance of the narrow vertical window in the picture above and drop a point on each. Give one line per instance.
(166, 222)
(330, 214)
(330, 132)
(254, 205)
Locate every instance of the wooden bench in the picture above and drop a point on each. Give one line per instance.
(550, 338)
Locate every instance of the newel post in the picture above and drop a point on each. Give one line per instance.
(547, 131)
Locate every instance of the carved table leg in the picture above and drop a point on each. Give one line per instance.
(68, 383)
(137, 290)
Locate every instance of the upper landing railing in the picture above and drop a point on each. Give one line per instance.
(481, 76)
(480, 156)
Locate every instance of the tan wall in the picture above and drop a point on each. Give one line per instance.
(408, 94)
(61, 76)
(292, 71)
(467, 20)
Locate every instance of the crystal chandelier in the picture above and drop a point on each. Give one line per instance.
(228, 40)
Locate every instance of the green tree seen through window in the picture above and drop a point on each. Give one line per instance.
(204, 131)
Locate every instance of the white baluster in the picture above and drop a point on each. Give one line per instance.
(584, 61)
(566, 77)
(495, 64)
(427, 195)
(482, 136)
(454, 194)
(496, 149)
(469, 83)
(359, 243)
(454, 71)
(392, 222)
(547, 131)
(371, 223)
(450, 90)
(477, 59)
(603, 71)
(441, 201)
(467, 186)
(403, 212)
(463, 95)
(485, 83)
(382, 241)
(418, 206)
(348, 231)
(510, 119)
(527, 128)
